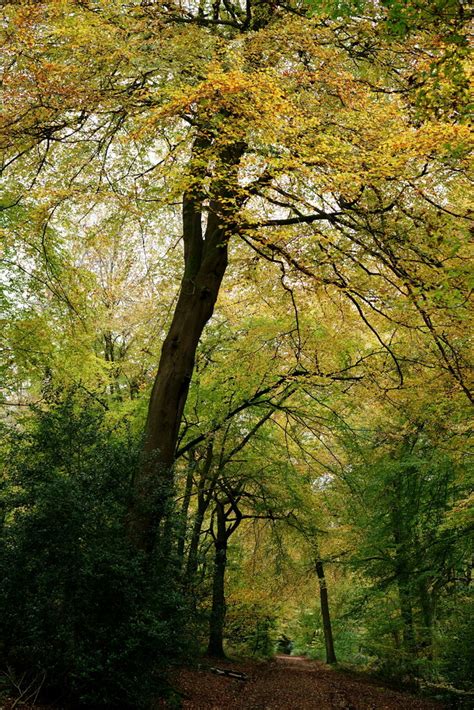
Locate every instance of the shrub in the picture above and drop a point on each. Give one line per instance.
(455, 644)
(251, 628)
(78, 607)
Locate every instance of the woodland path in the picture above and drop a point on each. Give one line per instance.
(290, 683)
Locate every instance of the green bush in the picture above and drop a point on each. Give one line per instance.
(250, 629)
(456, 634)
(78, 609)
(306, 631)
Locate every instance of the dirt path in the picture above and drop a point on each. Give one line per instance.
(290, 683)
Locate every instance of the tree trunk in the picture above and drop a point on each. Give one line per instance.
(203, 499)
(327, 628)
(427, 609)
(192, 561)
(205, 262)
(406, 612)
(216, 624)
(402, 562)
(426, 598)
(109, 354)
(183, 516)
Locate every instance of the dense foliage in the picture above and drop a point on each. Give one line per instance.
(235, 340)
(80, 618)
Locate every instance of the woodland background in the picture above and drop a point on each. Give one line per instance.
(235, 340)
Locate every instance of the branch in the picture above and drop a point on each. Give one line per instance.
(254, 429)
(303, 219)
(255, 400)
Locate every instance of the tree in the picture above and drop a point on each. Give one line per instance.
(402, 482)
(313, 154)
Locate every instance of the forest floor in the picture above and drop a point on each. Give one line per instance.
(289, 683)
(284, 683)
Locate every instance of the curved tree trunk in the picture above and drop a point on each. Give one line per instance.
(205, 262)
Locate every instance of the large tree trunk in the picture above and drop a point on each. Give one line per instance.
(205, 262)
(327, 628)
(216, 624)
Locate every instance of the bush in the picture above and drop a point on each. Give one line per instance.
(306, 630)
(78, 609)
(456, 648)
(250, 628)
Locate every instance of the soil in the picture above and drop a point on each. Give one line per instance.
(289, 683)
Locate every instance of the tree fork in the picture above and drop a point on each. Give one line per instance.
(205, 263)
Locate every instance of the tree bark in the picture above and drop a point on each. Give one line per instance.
(183, 516)
(427, 610)
(205, 489)
(216, 624)
(327, 628)
(109, 354)
(402, 567)
(205, 262)
(406, 612)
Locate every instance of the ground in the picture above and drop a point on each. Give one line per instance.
(285, 683)
(289, 683)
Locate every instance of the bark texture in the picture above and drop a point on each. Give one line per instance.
(327, 628)
(216, 624)
(205, 263)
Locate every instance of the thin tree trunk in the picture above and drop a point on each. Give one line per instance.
(183, 517)
(205, 262)
(406, 612)
(216, 624)
(402, 566)
(426, 634)
(192, 561)
(327, 628)
(205, 489)
(109, 353)
(427, 601)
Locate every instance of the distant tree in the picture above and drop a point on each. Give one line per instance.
(402, 493)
